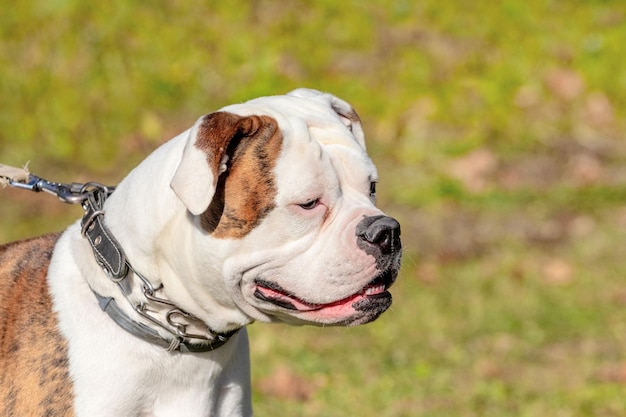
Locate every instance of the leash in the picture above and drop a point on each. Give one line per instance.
(110, 256)
(73, 193)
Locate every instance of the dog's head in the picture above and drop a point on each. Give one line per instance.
(286, 186)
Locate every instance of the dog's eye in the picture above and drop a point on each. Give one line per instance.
(310, 205)
(372, 188)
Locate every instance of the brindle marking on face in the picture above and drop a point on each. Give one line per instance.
(246, 193)
(34, 379)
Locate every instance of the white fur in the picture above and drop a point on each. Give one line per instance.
(195, 194)
(312, 253)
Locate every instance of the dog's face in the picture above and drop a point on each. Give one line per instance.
(289, 191)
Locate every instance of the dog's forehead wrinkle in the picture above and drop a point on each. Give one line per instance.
(324, 171)
(351, 163)
(320, 118)
(288, 109)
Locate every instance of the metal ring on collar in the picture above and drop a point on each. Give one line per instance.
(87, 222)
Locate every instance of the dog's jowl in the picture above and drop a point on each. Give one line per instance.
(261, 211)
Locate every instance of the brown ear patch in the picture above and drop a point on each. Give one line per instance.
(246, 193)
(220, 132)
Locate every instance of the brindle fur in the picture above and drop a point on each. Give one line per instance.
(34, 379)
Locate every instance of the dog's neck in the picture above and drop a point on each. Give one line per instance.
(152, 245)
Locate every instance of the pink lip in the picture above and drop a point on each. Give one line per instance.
(289, 301)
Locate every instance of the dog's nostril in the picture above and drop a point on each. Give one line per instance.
(380, 231)
(378, 235)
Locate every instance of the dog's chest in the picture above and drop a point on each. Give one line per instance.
(154, 382)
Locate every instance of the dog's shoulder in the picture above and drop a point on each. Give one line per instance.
(23, 268)
(25, 256)
(33, 355)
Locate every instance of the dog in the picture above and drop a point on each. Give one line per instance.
(263, 210)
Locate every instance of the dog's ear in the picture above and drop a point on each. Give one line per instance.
(211, 143)
(346, 112)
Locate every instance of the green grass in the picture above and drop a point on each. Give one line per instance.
(498, 129)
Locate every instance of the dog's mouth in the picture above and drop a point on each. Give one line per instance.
(376, 289)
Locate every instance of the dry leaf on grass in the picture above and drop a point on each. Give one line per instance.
(565, 84)
(557, 271)
(285, 384)
(474, 169)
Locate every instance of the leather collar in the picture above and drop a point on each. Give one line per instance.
(111, 258)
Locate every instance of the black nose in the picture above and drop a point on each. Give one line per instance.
(381, 233)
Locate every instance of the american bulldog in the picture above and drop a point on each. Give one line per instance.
(261, 211)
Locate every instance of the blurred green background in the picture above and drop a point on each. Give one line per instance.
(499, 132)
